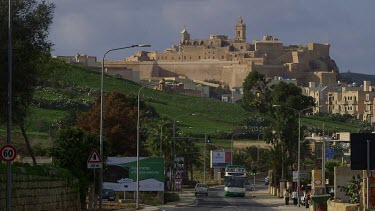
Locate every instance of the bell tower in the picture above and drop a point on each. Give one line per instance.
(184, 35)
(240, 31)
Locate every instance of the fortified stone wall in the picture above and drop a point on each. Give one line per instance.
(198, 70)
(319, 48)
(235, 74)
(201, 70)
(40, 193)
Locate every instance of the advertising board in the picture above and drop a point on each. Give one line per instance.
(121, 174)
(220, 159)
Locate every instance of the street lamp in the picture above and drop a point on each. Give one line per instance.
(161, 137)
(258, 147)
(173, 153)
(299, 146)
(102, 118)
(138, 122)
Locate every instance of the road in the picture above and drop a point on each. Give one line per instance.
(216, 201)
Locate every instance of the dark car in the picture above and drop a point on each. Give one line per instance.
(266, 181)
(108, 194)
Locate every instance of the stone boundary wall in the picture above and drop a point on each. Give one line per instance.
(331, 205)
(30, 192)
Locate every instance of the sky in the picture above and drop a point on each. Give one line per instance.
(95, 26)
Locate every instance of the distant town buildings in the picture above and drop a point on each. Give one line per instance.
(342, 98)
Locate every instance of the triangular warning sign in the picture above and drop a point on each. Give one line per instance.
(94, 157)
(178, 175)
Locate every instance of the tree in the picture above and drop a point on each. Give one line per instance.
(256, 92)
(353, 189)
(31, 49)
(189, 151)
(120, 122)
(283, 133)
(153, 142)
(71, 151)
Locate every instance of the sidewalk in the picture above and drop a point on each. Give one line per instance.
(263, 197)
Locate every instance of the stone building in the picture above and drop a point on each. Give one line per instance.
(229, 61)
(344, 98)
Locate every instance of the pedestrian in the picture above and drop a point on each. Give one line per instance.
(307, 201)
(294, 197)
(286, 197)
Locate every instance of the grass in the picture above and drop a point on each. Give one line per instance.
(212, 115)
(329, 126)
(68, 82)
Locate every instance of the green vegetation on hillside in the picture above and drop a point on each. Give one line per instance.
(71, 88)
(211, 115)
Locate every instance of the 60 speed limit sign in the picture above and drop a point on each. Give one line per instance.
(8, 153)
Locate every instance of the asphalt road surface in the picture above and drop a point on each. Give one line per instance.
(258, 200)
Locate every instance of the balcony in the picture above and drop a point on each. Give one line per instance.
(342, 102)
(366, 102)
(352, 102)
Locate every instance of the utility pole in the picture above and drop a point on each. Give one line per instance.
(204, 166)
(323, 160)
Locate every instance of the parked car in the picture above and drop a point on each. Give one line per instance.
(201, 188)
(108, 194)
(266, 181)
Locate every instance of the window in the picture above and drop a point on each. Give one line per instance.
(241, 47)
(238, 33)
(222, 57)
(199, 57)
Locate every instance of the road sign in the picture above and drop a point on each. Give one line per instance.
(178, 175)
(8, 153)
(330, 153)
(94, 160)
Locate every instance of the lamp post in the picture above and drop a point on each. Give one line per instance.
(102, 118)
(258, 147)
(231, 147)
(10, 112)
(161, 137)
(138, 122)
(299, 146)
(174, 148)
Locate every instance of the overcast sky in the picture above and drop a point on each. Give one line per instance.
(95, 26)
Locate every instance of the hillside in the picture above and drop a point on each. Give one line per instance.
(75, 88)
(358, 78)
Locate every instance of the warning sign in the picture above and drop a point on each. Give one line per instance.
(178, 175)
(94, 160)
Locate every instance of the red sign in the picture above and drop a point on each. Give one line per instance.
(8, 153)
(94, 157)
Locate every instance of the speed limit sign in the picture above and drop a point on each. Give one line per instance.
(8, 153)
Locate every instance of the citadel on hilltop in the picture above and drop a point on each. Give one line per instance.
(229, 61)
(193, 63)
